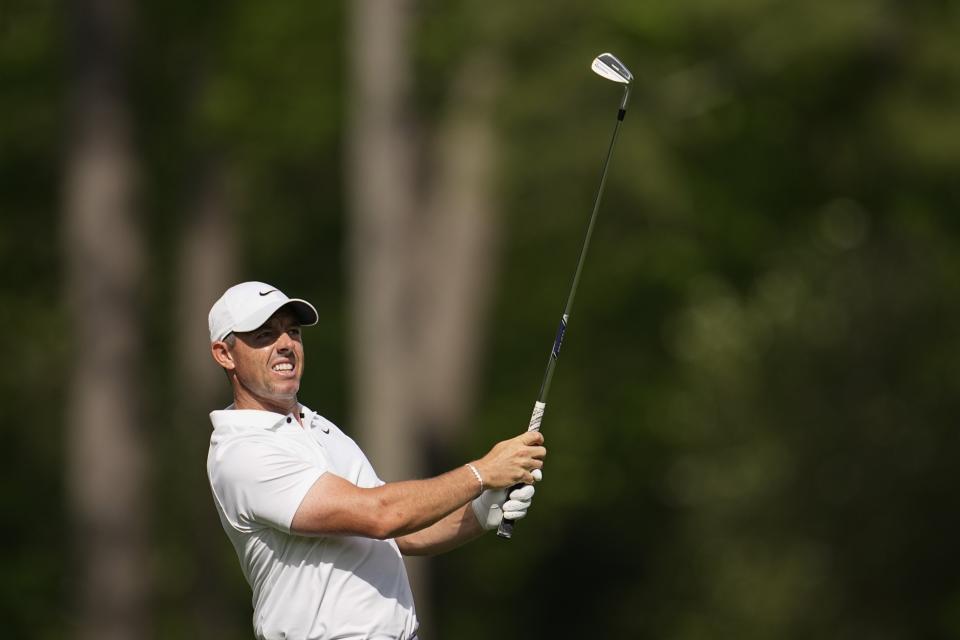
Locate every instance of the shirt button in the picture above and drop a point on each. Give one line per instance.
(289, 419)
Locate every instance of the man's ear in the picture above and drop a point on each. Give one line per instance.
(221, 354)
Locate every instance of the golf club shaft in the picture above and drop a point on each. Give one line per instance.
(505, 530)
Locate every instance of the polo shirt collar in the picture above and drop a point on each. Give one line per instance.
(253, 418)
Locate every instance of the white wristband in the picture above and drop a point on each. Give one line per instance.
(477, 474)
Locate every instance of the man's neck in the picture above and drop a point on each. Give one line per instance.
(244, 399)
(246, 402)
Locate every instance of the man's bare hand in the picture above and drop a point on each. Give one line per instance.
(512, 461)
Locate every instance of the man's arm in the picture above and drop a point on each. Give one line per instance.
(450, 532)
(334, 506)
(468, 522)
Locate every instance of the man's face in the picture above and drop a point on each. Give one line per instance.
(268, 363)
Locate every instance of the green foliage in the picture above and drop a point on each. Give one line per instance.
(35, 554)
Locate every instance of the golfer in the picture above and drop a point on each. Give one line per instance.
(319, 536)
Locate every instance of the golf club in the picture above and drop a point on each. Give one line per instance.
(606, 65)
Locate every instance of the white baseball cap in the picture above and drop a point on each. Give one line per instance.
(246, 306)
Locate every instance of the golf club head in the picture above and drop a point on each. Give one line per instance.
(606, 65)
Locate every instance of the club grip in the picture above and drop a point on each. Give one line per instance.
(505, 530)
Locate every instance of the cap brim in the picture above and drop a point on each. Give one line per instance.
(306, 314)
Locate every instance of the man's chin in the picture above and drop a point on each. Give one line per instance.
(286, 392)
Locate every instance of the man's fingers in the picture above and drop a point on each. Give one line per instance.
(531, 438)
(523, 494)
(515, 505)
(537, 475)
(518, 504)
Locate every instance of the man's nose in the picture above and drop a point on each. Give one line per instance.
(285, 342)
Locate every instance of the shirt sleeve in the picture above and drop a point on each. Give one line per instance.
(259, 482)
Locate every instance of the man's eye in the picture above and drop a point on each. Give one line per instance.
(263, 335)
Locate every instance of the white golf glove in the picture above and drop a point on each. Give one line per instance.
(490, 507)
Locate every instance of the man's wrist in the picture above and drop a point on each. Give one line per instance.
(476, 474)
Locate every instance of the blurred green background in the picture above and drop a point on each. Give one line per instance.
(752, 430)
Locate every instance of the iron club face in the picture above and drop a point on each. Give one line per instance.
(606, 65)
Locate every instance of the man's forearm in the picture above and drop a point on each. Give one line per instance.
(450, 532)
(414, 505)
(335, 506)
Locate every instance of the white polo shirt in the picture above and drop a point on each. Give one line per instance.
(261, 465)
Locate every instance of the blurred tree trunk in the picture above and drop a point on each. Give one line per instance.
(207, 264)
(422, 231)
(381, 184)
(103, 261)
(455, 250)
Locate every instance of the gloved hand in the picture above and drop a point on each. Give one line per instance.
(490, 507)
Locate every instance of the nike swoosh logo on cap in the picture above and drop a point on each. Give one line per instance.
(266, 293)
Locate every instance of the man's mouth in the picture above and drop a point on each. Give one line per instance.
(282, 367)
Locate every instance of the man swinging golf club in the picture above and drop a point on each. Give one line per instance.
(319, 536)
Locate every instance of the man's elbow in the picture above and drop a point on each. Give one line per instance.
(389, 521)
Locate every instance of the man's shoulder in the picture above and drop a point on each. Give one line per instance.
(240, 444)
